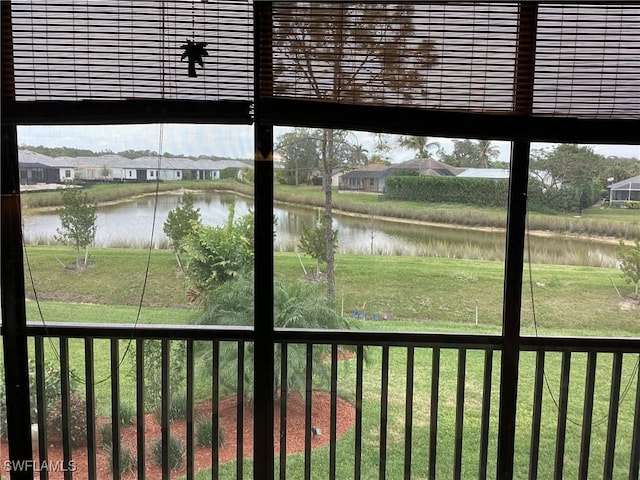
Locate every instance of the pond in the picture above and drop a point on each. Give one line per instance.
(131, 224)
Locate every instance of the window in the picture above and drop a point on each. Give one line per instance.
(67, 173)
(178, 173)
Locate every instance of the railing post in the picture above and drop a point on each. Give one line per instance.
(263, 464)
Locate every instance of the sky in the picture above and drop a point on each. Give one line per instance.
(229, 141)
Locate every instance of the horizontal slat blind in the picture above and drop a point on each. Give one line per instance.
(459, 56)
(588, 61)
(440, 56)
(114, 50)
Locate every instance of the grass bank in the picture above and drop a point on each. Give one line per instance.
(424, 290)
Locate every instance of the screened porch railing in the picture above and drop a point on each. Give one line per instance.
(420, 405)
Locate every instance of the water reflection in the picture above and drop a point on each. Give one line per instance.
(131, 223)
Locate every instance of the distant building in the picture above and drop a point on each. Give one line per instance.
(627, 190)
(37, 168)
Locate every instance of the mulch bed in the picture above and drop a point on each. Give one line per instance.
(320, 417)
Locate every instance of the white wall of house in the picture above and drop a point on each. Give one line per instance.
(67, 174)
(170, 174)
(152, 174)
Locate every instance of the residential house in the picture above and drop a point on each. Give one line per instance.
(625, 190)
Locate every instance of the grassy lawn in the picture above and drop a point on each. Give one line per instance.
(422, 294)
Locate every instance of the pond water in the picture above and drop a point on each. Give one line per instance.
(132, 223)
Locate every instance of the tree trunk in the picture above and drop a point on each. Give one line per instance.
(86, 255)
(327, 164)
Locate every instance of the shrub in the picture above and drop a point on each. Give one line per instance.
(106, 434)
(127, 459)
(177, 408)
(127, 413)
(176, 452)
(204, 431)
(77, 426)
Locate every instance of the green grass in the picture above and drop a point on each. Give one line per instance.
(423, 294)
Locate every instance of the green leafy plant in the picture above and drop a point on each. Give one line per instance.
(76, 427)
(204, 433)
(127, 413)
(176, 451)
(77, 222)
(629, 257)
(177, 408)
(313, 239)
(219, 254)
(127, 459)
(297, 305)
(106, 435)
(181, 221)
(153, 369)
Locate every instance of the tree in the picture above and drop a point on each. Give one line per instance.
(297, 305)
(575, 170)
(487, 152)
(342, 36)
(381, 149)
(312, 240)
(181, 221)
(629, 257)
(77, 221)
(421, 145)
(218, 254)
(300, 153)
(467, 153)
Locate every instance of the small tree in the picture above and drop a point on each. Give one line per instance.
(181, 222)
(629, 256)
(313, 239)
(78, 221)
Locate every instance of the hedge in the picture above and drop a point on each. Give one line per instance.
(486, 192)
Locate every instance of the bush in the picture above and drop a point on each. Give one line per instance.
(77, 426)
(127, 413)
(177, 408)
(176, 452)
(204, 430)
(106, 434)
(127, 459)
(473, 191)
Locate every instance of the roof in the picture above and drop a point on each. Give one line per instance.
(632, 183)
(496, 173)
(427, 166)
(117, 161)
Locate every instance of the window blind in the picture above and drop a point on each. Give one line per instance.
(451, 56)
(588, 61)
(117, 50)
(460, 56)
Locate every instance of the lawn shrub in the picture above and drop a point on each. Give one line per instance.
(204, 433)
(77, 426)
(177, 408)
(127, 459)
(106, 435)
(176, 451)
(127, 413)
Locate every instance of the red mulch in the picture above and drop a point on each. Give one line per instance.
(227, 413)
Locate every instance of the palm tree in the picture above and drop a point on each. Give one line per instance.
(421, 145)
(297, 305)
(486, 152)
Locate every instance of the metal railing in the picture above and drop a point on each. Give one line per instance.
(424, 405)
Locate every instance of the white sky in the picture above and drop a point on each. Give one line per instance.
(232, 141)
